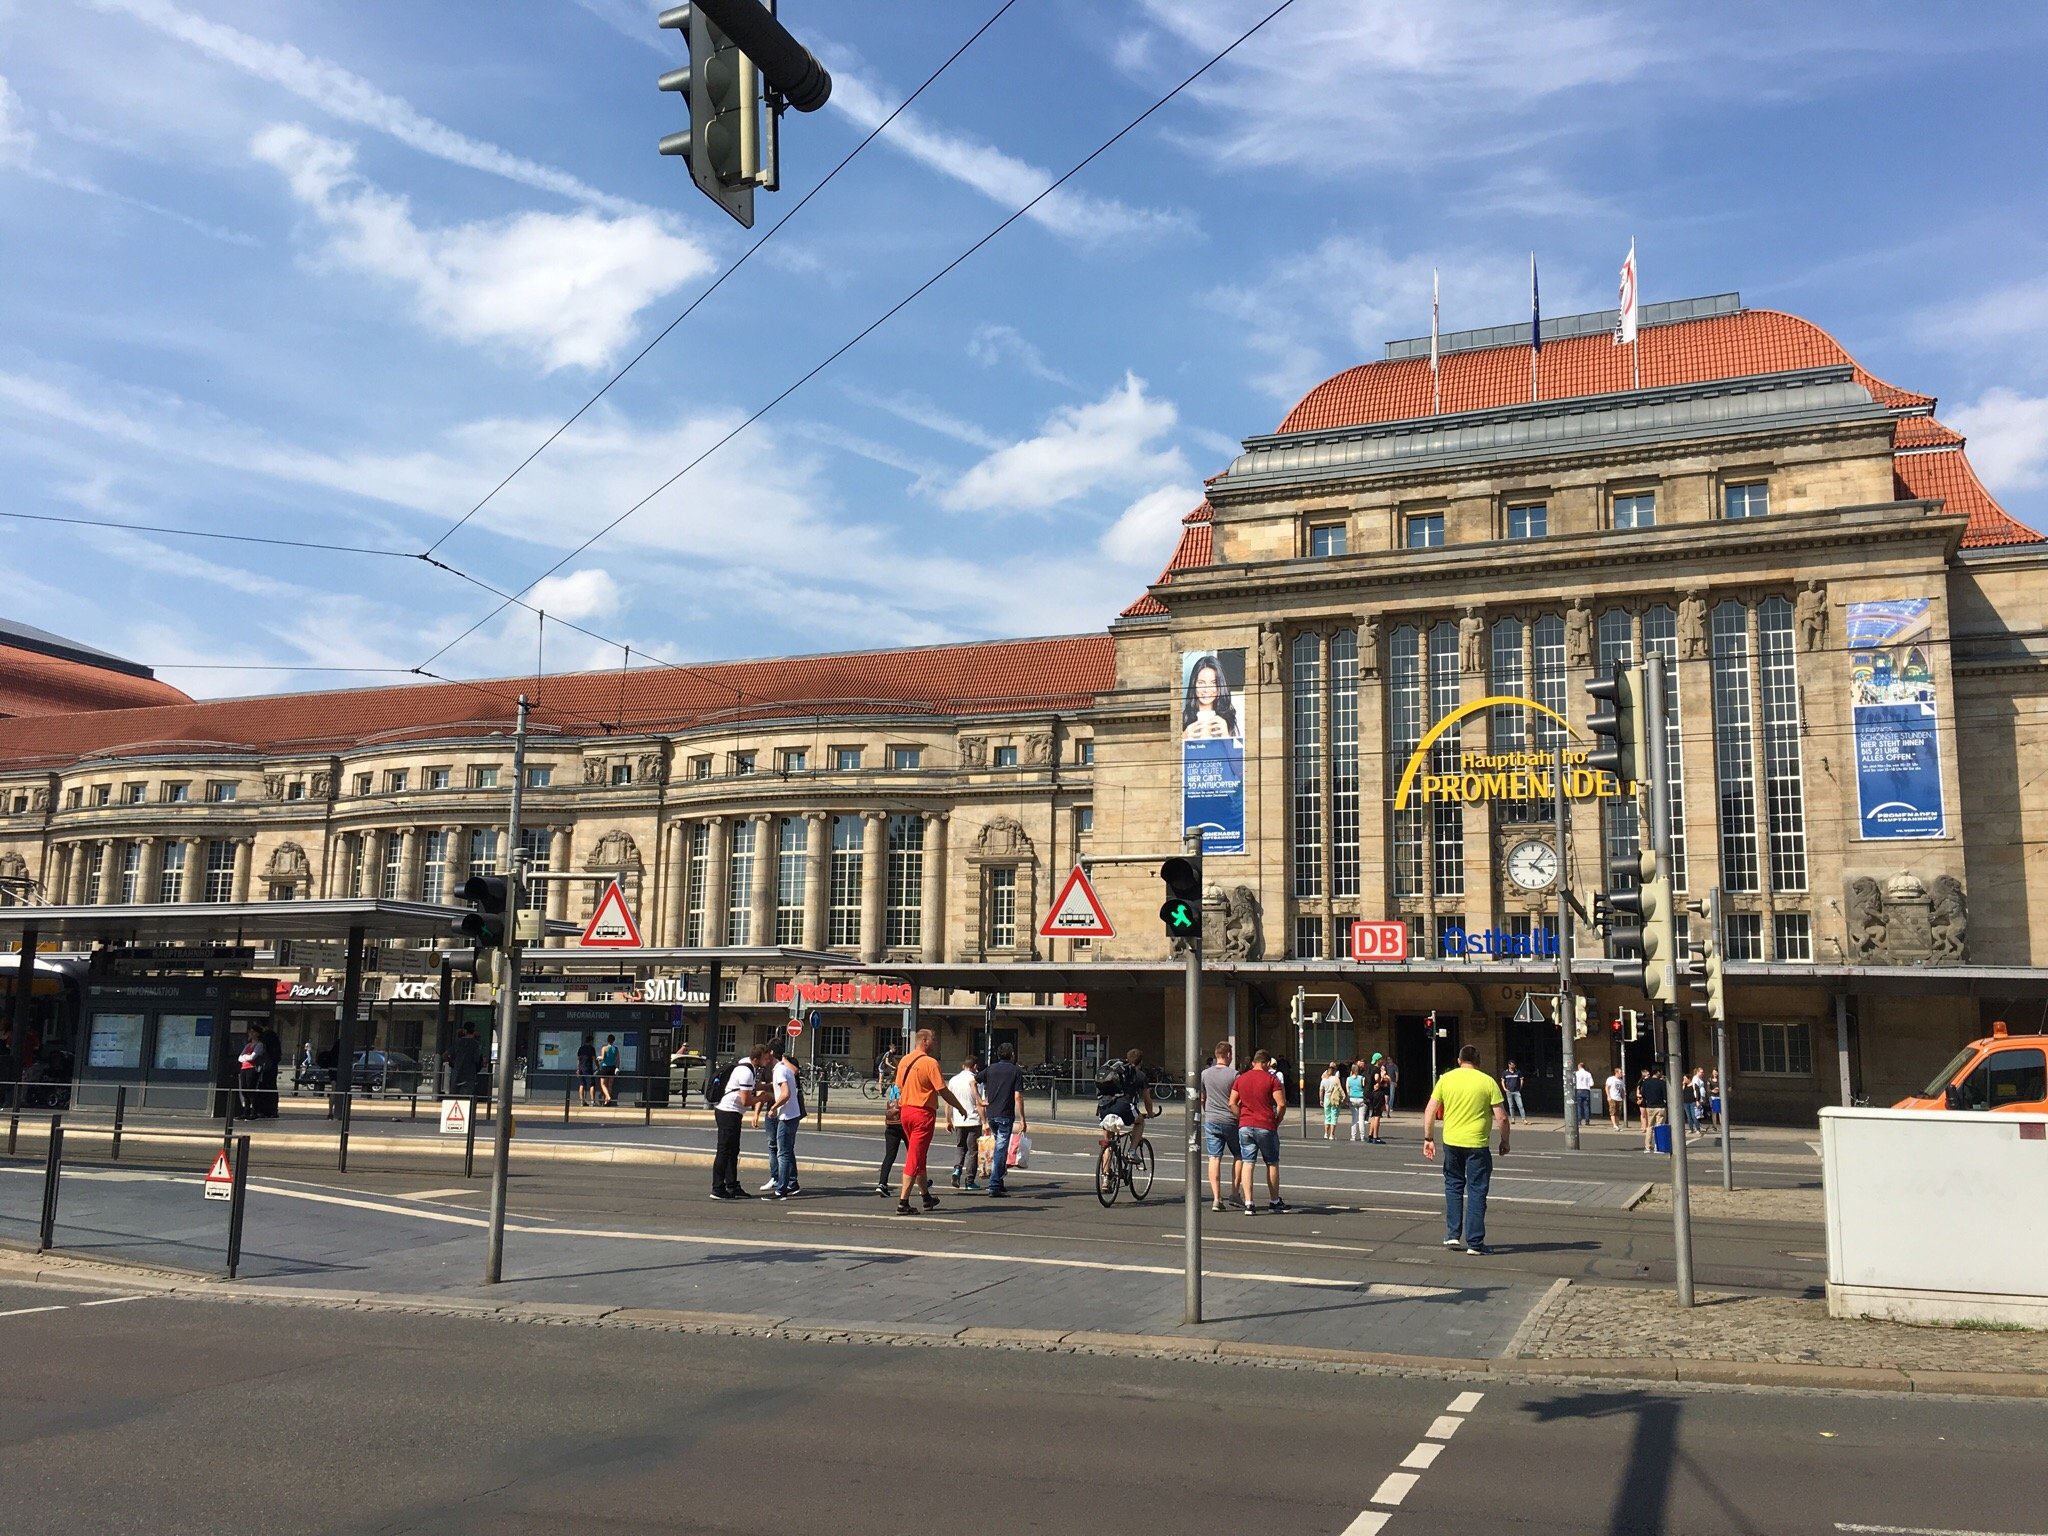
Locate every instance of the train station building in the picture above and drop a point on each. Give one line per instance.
(1353, 675)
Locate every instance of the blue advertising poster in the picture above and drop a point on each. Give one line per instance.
(1212, 748)
(1894, 709)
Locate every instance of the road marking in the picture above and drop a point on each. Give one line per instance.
(438, 1194)
(1918, 1530)
(1422, 1456)
(1394, 1487)
(922, 1219)
(110, 1301)
(25, 1311)
(1369, 1523)
(1445, 1426)
(1465, 1402)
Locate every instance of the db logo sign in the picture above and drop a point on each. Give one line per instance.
(1379, 942)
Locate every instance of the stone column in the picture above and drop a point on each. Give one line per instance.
(761, 899)
(245, 856)
(410, 862)
(817, 877)
(675, 885)
(110, 875)
(74, 875)
(148, 877)
(557, 905)
(874, 887)
(933, 918)
(716, 869)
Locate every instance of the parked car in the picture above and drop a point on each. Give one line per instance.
(385, 1072)
(686, 1071)
(2001, 1072)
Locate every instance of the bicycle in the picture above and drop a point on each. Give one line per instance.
(1124, 1163)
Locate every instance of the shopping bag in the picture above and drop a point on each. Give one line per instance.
(1020, 1151)
(984, 1154)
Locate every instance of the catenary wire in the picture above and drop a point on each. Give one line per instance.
(201, 533)
(876, 324)
(769, 234)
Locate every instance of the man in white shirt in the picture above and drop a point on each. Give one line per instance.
(783, 1108)
(743, 1091)
(1617, 1099)
(1582, 1084)
(967, 1116)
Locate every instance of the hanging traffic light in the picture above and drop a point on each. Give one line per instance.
(1618, 724)
(484, 926)
(723, 94)
(1181, 912)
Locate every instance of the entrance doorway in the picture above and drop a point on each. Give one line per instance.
(1420, 1059)
(1538, 1053)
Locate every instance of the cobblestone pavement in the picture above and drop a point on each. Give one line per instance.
(1712, 1202)
(1589, 1322)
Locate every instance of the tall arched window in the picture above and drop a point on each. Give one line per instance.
(1404, 734)
(1734, 747)
(1508, 727)
(1447, 821)
(1305, 721)
(1784, 788)
(1344, 763)
(1660, 638)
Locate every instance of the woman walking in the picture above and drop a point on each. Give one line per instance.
(966, 1086)
(892, 1136)
(1377, 1096)
(1332, 1090)
(1354, 1090)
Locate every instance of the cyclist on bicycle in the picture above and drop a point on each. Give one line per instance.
(1123, 1090)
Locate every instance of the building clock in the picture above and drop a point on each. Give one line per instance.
(1532, 864)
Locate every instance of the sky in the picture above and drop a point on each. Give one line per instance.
(307, 270)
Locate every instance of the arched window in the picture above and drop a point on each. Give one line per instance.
(1734, 747)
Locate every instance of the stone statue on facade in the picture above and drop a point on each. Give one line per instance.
(1692, 627)
(1003, 837)
(616, 850)
(1811, 614)
(1472, 643)
(973, 751)
(593, 770)
(1949, 922)
(1864, 917)
(40, 800)
(652, 768)
(1038, 749)
(1369, 646)
(1578, 636)
(323, 785)
(1244, 934)
(273, 786)
(1269, 654)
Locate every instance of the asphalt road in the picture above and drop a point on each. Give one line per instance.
(173, 1416)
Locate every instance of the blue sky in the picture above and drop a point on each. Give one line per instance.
(329, 271)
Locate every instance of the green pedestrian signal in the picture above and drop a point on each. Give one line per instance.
(1182, 910)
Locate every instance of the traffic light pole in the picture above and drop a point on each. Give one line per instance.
(1671, 1019)
(1191, 1185)
(508, 1007)
(1567, 1017)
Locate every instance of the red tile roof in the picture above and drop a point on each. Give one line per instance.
(995, 677)
(35, 683)
(1946, 476)
(1196, 548)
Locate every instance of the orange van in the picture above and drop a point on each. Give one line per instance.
(2006, 1071)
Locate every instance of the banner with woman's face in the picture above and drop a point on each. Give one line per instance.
(1212, 748)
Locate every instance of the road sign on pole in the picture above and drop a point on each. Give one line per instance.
(1337, 1012)
(220, 1179)
(611, 925)
(795, 1028)
(1528, 1012)
(1078, 913)
(454, 1117)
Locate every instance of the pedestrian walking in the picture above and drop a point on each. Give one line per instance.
(273, 1056)
(608, 1070)
(1655, 1097)
(1002, 1093)
(1696, 1102)
(920, 1086)
(1331, 1092)
(966, 1120)
(1616, 1109)
(465, 1061)
(249, 1074)
(1642, 1077)
(1468, 1102)
(1582, 1085)
(784, 1111)
(1511, 1085)
(742, 1091)
(1379, 1099)
(1714, 1100)
(892, 1135)
(1259, 1100)
(1355, 1086)
(1219, 1120)
(1393, 1070)
(586, 1071)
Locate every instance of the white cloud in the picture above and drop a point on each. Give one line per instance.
(17, 139)
(353, 99)
(2008, 435)
(2016, 313)
(563, 287)
(1145, 534)
(633, 19)
(993, 344)
(1110, 443)
(1003, 179)
(922, 413)
(588, 596)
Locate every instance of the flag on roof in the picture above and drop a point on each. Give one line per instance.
(1535, 307)
(1625, 333)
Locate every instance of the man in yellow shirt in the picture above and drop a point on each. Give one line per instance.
(1466, 1100)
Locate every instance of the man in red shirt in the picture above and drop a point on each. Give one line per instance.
(1260, 1099)
(919, 1086)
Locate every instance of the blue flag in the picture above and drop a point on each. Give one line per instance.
(1535, 308)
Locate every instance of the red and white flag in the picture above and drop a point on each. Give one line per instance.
(1625, 333)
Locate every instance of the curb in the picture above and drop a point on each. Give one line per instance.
(90, 1274)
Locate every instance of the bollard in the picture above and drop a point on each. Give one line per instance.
(469, 1141)
(53, 1167)
(13, 1121)
(824, 1092)
(568, 1097)
(414, 1114)
(1053, 1110)
(120, 1114)
(227, 1130)
(236, 1201)
(348, 1104)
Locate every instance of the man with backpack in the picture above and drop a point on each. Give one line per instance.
(1122, 1089)
(732, 1093)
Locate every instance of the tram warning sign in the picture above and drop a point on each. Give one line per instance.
(611, 926)
(220, 1179)
(1078, 913)
(454, 1117)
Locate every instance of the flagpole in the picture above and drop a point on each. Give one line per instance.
(1436, 390)
(1635, 342)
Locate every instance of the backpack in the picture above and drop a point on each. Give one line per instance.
(1112, 1081)
(714, 1081)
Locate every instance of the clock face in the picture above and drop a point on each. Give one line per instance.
(1532, 864)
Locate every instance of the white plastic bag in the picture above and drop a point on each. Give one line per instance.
(1020, 1151)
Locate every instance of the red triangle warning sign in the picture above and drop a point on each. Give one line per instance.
(1078, 913)
(220, 1180)
(611, 926)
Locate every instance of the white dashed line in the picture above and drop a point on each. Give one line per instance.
(69, 1306)
(109, 1301)
(1913, 1530)
(1369, 1523)
(1394, 1487)
(1444, 1426)
(1421, 1457)
(1465, 1402)
(25, 1311)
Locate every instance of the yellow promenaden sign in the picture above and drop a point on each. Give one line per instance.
(1481, 777)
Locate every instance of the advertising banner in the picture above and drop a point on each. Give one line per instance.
(1212, 749)
(1895, 717)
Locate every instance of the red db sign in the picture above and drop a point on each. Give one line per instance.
(1379, 942)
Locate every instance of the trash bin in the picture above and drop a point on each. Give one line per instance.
(1660, 1137)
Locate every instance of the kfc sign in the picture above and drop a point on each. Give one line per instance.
(1379, 943)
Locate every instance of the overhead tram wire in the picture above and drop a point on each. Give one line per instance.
(202, 533)
(768, 234)
(875, 325)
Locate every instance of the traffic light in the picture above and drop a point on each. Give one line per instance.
(1648, 958)
(723, 91)
(1630, 1025)
(1579, 1016)
(484, 927)
(1713, 982)
(1618, 724)
(1181, 912)
(1430, 1026)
